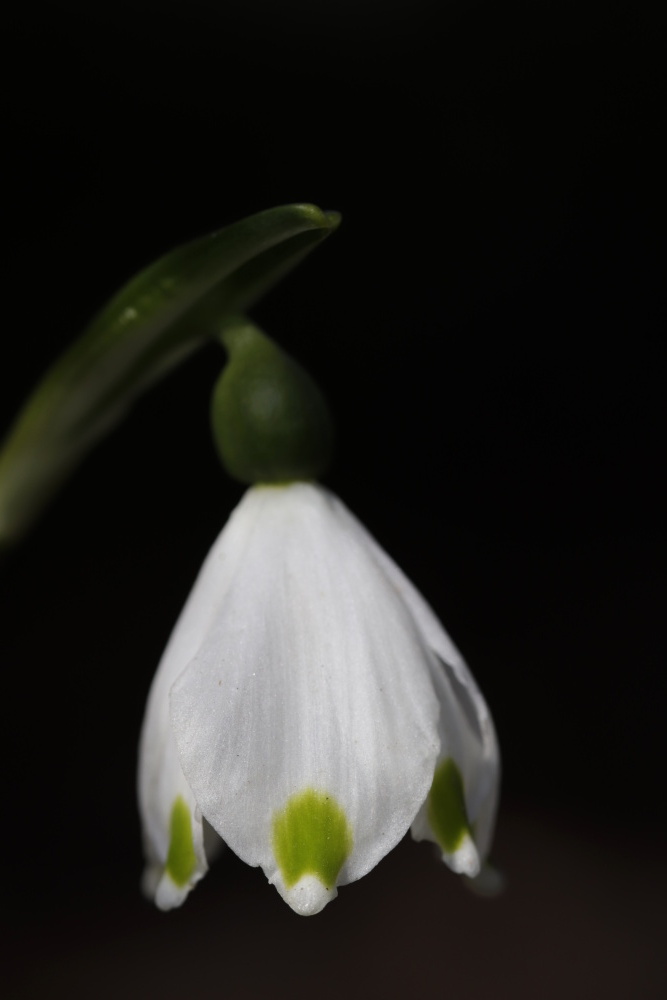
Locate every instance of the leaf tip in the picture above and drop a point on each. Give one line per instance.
(319, 218)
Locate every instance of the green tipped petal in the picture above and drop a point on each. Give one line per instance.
(181, 859)
(157, 319)
(311, 836)
(448, 819)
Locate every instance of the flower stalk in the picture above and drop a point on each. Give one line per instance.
(149, 327)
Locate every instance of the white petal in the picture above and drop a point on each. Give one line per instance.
(313, 681)
(460, 751)
(466, 728)
(160, 779)
(468, 736)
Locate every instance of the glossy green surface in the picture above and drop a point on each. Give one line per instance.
(270, 421)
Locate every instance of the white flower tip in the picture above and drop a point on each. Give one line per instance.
(465, 859)
(158, 886)
(444, 820)
(168, 883)
(168, 895)
(308, 897)
(311, 840)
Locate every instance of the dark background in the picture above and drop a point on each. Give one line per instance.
(488, 324)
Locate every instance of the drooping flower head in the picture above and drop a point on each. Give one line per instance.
(309, 707)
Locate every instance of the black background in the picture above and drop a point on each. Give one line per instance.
(488, 324)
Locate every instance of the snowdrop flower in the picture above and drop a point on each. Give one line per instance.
(309, 708)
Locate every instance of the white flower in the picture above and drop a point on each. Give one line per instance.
(311, 708)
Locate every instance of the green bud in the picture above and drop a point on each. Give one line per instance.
(271, 423)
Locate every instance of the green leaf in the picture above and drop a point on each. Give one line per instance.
(150, 325)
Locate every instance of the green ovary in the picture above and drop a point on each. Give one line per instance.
(311, 836)
(446, 807)
(181, 859)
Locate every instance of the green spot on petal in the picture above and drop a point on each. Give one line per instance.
(311, 836)
(446, 807)
(181, 859)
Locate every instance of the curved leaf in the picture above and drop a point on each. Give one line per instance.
(147, 328)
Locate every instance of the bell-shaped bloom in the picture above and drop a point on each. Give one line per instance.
(311, 709)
